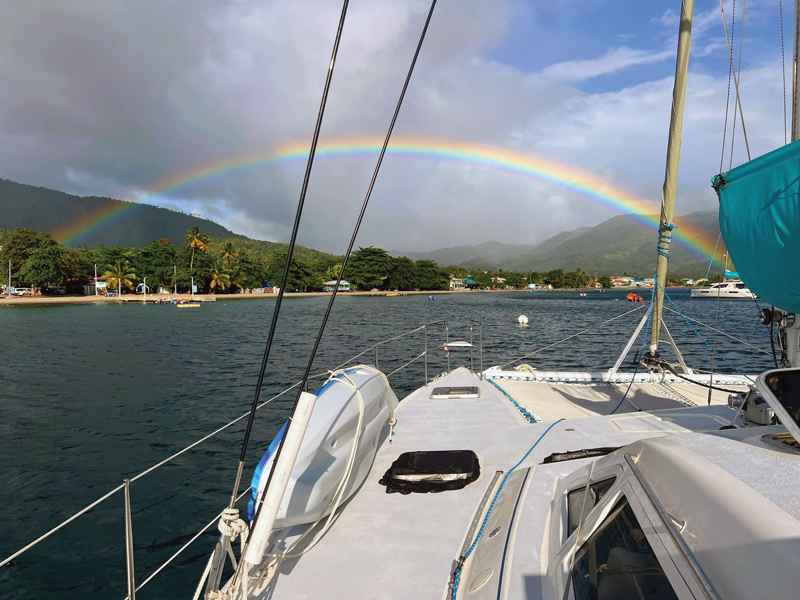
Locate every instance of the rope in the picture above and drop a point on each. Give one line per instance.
(167, 562)
(677, 310)
(783, 68)
(329, 512)
(722, 332)
(569, 337)
(665, 239)
(641, 350)
(231, 525)
(529, 417)
(456, 576)
(670, 368)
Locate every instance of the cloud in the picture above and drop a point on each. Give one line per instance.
(613, 61)
(106, 97)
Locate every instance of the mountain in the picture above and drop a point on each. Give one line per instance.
(488, 252)
(620, 244)
(42, 209)
(126, 224)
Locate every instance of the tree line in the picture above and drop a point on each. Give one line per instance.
(38, 260)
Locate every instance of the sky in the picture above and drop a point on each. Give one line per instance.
(111, 97)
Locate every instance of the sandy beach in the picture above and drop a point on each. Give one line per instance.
(31, 300)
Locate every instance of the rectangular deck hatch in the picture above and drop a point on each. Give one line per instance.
(431, 471)
(459, 392)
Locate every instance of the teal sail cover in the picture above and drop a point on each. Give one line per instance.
(731, 274)
(759, 216)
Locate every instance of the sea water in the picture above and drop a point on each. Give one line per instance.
(93, 394)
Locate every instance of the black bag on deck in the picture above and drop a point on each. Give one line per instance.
(435, 471)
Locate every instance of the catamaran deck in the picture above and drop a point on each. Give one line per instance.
(394, 546)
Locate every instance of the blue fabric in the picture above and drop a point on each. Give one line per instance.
(732, 274)
(273, 446)
(759, 217)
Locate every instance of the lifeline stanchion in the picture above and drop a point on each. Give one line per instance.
(129, 542)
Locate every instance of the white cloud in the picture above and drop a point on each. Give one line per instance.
(614, 61)
(106, 97)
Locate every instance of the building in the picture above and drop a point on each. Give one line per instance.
(456, 284)
(344, 286)
(622, 282)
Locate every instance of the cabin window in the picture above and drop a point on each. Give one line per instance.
(618, 562)
(740, 286)
(575, 502)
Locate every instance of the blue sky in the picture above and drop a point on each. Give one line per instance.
(106, 97)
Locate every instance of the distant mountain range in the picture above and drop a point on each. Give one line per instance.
(92, 221)
(615, 246)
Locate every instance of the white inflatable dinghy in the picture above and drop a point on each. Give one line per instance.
(327, 444)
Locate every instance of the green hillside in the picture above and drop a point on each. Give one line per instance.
(43, 209)
(621, 245)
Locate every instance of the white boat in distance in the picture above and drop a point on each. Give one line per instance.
(732, 289)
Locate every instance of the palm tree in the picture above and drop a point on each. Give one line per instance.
(219, 276)
(197, 240)
(118, 274)
(228, 251)
(333, 271)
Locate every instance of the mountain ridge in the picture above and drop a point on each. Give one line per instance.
(43, 209)
(619, 244)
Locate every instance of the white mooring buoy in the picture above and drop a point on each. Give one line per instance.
(522, 320)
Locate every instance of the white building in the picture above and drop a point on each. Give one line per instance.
(344, 286)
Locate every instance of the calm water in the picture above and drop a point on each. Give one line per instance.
(93, 394)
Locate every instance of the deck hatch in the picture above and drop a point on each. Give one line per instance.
(455, 392)
(435, 471)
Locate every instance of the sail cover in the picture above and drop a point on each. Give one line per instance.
(759, 216)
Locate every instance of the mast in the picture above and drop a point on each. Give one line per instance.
(795, 81)
(673, 159)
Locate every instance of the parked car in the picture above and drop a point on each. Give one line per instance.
(55, 290)
(21, 291)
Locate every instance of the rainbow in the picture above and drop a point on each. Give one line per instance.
(524, 164)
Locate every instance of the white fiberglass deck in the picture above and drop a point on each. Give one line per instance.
(394, 546)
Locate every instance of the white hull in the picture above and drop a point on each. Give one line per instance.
(726, 290)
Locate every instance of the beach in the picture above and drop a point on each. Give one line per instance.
(30, 300)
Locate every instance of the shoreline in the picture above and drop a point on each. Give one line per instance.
(134, 298)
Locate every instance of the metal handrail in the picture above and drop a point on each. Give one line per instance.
(472, 323)
(132, 588)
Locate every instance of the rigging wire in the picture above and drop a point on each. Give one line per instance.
(569, 337)
(783, 68)
(713, 256)
(739, 76)
(289, 254)
(728, 96)
(714, 342)
(736, 85)
(360, 218)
